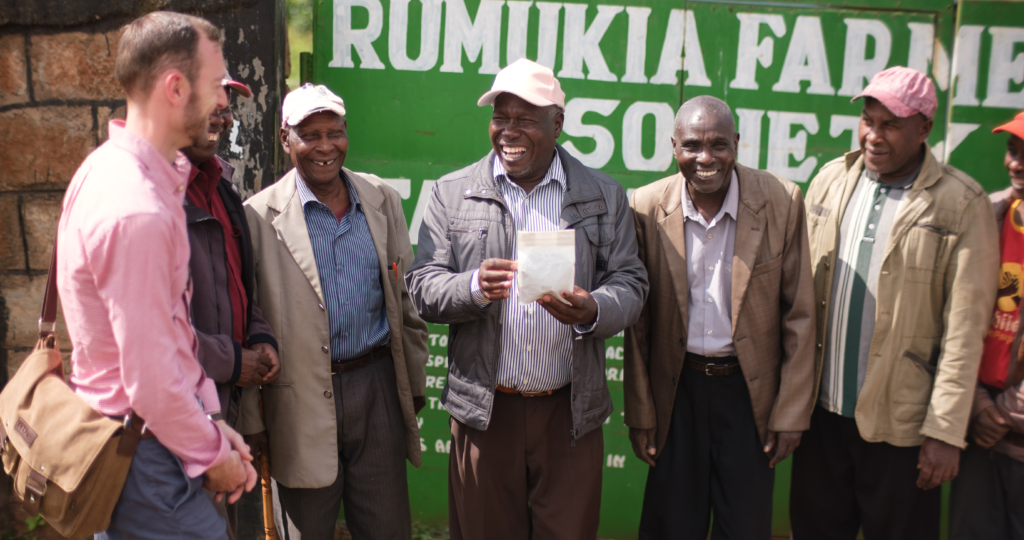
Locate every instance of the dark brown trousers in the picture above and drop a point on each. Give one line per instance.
(521, 478)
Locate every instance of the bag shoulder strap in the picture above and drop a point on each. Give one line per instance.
(48, 315)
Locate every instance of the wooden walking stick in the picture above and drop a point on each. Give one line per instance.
(268, 493)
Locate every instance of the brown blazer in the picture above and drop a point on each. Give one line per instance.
(301, 418)
(772, 304)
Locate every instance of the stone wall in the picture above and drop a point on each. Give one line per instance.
(57, 94)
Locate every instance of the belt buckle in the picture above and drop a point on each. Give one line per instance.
(707, 369)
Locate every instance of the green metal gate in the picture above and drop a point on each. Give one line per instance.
(411, 71)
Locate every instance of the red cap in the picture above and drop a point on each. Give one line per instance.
(1015, 126)
(241, 88)
(904, 91)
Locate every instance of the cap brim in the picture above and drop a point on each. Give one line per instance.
(1016, 127)
(489, 97)
(312, 108)
(890, 101)
(238, 87)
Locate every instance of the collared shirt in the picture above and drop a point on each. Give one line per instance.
(851, 322)
(709, 250)
(536, 349)
(349, 269)
(123, 279)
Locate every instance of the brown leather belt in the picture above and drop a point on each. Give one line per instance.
(507, 390)
(721, 366)
(134, 430)
(383, 351)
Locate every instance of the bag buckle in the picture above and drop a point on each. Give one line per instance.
(35, 485)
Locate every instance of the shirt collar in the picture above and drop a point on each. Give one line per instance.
(172, 178)
(729, 206)
(306, 195)
(555, 172)
(903, 183)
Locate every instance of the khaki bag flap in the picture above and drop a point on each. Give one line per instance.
(59, 437)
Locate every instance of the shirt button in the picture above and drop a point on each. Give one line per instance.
(529, 347)
(871, 225)
(469, 192)
(878, 207)
(530, 311)
(327, 394)
(822, 303)
(346, 334)
(819, 346)
(181, 188)
(324, 348)
(709, 235)
(321, 307)
(710, 300)
(711, 268)
(710, 332)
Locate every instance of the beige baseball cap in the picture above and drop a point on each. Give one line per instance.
(529, 80)
(308, 99)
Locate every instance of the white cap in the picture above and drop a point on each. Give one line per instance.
(528, 80)
(308, 99)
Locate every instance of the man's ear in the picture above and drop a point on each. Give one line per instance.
(284, 140)
(175, 87)
(558, 120)
(926, 129)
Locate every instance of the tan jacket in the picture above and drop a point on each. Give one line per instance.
(772, 311)
(934, 302)
(301, 421)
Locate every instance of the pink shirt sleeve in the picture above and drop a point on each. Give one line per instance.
(134, 266)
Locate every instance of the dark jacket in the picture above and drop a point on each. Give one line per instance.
(465, 222)
(219, 354)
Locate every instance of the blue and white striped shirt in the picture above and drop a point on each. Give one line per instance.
(349, 269)
(536, 349)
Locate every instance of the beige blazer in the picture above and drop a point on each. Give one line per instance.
(300, 419)
(772, 304)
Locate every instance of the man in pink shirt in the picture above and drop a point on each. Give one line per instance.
(123, 279)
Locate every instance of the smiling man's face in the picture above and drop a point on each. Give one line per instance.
(317, 147)
(891, 145)
(705, 148)
(219, 125)
(523, 136)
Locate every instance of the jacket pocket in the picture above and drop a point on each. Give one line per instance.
(924, 249)
(912, 380)
(468, 245)
(766, 267)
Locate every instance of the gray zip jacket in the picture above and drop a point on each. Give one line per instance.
(465, 222)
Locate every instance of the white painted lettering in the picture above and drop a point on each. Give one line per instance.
(632, 136)
(750, 51)
(857, 68)
(583, 45)
(966, 55)
(417, 219)
(1005, 67)
(636, 44)
(806, 60)
(430, 32)
(346, 37)
(547, 36)
(782, 145)
(682, 31)
(402, 185)
(518, 23)
(749, 151)
(922, 48)
(840, 123)
(573, 126)
(481, 37)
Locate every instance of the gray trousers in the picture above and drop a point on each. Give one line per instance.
(160, 502)
(371, 479)
(987, 499)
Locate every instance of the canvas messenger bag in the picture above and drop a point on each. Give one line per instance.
(69, 462)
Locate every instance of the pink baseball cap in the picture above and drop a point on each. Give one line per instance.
(1015, 126)
(528, 80)
(904, 91)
